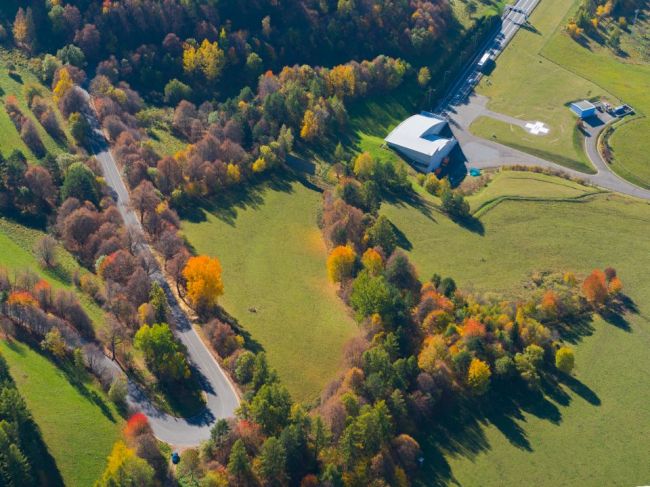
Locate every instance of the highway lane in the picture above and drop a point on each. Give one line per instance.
(220, 394)
(511, 21)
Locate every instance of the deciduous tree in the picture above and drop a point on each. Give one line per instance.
(340, 263)
(203, 281)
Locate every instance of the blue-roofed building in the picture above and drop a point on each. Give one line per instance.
(584, 108)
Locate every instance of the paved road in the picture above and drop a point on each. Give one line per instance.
(462, 106)
(221, 398)
(512, 19)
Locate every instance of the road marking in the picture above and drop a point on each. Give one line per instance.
(537, 128)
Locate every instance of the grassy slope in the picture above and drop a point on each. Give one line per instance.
(273, 258)
(17, 241)
(605, 436)
(528, 86)
(628, 81)
(10, 139)
(631, 158)
(78, 432)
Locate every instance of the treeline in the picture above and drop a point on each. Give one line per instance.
(231, 142)
(223, 45)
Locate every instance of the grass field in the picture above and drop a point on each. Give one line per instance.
(631, 158)
(9, 85)
(273, 259)
(597, 434)
(543, 70)
(627, 78)
(528, 86)
(17, 242)
(78, 423)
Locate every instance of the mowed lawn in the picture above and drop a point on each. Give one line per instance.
(78, 424)
(273, 259)
(598, 437)
(528, 86)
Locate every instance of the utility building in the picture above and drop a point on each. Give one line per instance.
(584, 108)
(419, 139)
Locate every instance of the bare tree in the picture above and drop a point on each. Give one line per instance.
(45, 250)
(113, 334)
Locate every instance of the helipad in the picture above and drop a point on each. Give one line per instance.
(537, 128)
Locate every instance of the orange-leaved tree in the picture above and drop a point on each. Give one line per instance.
(340, 263)
(203, 277)
(594, 287)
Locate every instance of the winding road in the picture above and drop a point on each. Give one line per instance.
(461, 106)
(220, 394)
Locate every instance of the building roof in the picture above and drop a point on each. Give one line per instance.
(583, 105)
(420, 133)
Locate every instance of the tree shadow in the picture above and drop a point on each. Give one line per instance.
(15, 76)
(573, 328)
(459, 426)
(470, 223)
(249, 342)
(227, 205)
(580, 389)
(80, 384)
(530, 28)
(616, 310)
(402, 240)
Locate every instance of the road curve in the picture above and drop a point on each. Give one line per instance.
(461, 106)
(220, 394)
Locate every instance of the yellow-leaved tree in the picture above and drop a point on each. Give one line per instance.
(565, 359)
(309, 129)
(478, 376)
(364, 165)
(63, 84)
(126, 468)
(203, 281)
(373, 261)
(340, 263)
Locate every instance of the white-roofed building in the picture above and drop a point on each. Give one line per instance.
(418, 139)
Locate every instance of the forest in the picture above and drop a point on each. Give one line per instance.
(242, 87)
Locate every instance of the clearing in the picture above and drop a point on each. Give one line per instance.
(531, 222)
(78, 423)
(275, 279)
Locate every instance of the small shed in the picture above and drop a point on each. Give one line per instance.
(584, 108)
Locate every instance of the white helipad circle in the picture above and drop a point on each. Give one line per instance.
(537, 128)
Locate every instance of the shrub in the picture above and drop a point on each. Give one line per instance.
(564, 360)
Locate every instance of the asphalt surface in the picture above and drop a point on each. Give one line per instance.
(221, 398)
(461, 106)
